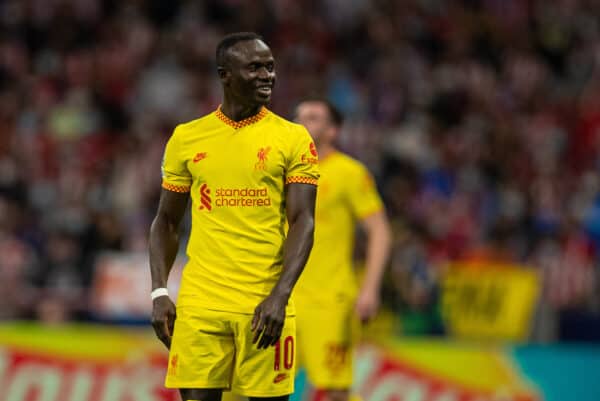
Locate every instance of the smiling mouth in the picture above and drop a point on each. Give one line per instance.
(264, 90)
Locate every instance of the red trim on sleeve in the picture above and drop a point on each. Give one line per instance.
(175, 188)
(301, 180)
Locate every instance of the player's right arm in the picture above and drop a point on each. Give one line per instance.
(164, 244)
(164, 232)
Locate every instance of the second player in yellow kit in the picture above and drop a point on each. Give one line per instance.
(246, 171)
(329, 301)
(326, 293)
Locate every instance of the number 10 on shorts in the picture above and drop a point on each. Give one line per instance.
(287, 356)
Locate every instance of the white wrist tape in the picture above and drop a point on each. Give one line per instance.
(159, 292)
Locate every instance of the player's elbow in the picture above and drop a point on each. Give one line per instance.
(163, 223)
(310, 224)
(305, 220)
(311, 230)
(379, 230)
(304, 225)
(386, 232)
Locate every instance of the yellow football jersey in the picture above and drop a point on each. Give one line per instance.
(236, 173)
(347, 194)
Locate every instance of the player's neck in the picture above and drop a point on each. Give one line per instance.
(325, 150)
(238, 112)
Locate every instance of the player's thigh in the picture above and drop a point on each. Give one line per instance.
(202, 351)
(264, 373)
(337, 395)
(326, 338)
(280, 398)
(197, 394)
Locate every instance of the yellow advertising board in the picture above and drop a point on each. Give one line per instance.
(495, 302)
(99, 363)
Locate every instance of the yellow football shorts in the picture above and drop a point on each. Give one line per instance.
(213, 349)
(326, 338)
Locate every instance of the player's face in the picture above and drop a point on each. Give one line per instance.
(251, 72)
(315, 117)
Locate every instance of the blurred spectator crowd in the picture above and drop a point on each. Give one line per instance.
(479, 119)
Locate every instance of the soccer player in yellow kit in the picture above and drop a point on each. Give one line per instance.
(327, 297)
(246, 171)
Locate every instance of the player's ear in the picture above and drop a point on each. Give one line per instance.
(223, 75)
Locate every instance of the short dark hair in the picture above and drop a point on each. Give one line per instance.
(229, 41)
(336, 116)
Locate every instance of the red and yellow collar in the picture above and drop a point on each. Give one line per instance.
(242, 123)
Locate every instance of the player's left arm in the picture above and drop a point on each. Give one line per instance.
(367, 206)
(379, 239)
(269, 316)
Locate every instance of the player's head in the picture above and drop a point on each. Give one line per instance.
(321, 118)
(246, 68)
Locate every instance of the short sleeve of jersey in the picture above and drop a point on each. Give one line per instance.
(175, 175)
(363, 195)
(303, 164)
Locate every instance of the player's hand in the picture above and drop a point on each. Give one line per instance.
(269, 317)
(163, 319)
(367, 305)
